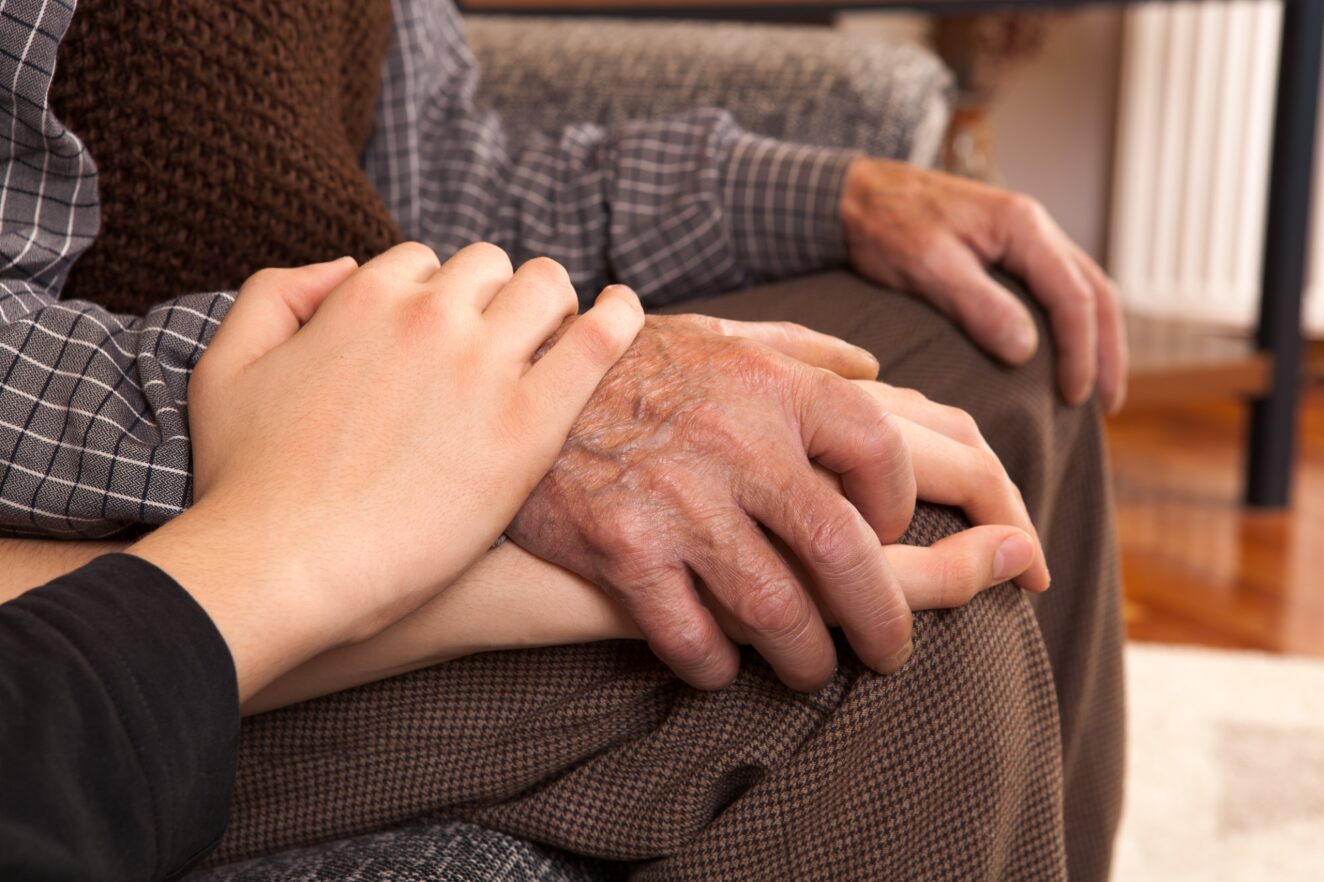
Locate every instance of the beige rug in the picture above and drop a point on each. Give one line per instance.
(1226, 768)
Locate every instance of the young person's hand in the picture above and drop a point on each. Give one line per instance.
(346, 469)
(510, 599)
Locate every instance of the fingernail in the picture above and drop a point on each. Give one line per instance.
(899, 658)
(867, 354)
(1012, 558)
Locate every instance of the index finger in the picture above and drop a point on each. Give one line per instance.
(1041, 254)
(849, 432)
(826, 534)
(803, 344)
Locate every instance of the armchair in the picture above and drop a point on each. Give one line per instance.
(803, 84)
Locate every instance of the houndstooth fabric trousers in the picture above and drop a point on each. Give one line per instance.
(995, 753)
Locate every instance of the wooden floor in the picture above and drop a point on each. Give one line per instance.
(1198, 567)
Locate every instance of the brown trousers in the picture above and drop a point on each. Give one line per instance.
(995, 753)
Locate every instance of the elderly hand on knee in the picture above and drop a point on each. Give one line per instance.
(701, 438)
(935, 234)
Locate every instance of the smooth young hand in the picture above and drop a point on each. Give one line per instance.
(346, 469)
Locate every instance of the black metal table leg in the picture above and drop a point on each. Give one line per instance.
(1272, 445)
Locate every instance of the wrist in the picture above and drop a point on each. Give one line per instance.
(853, 208)
(262, 598)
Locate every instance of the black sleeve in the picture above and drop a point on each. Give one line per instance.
(119, 720)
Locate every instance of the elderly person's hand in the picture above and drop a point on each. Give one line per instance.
(936, 234)
(701, 438)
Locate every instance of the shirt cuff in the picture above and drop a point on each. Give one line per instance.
(783, 205)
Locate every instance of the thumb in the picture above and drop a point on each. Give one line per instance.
(811, 347)
(560, 384)
(270, 307)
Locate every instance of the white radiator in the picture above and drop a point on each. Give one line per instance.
(1195, 119)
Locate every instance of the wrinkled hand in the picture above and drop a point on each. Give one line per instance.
(697, 441)
(936, 234)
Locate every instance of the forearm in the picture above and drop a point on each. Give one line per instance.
(678, 207)
(121, 721)
(509, 599)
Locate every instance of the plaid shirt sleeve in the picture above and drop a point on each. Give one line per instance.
(93, 421)
(676, 208)
(93, 427)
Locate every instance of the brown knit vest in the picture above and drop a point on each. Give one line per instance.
(226, 134)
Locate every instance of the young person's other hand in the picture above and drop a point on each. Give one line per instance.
(347, 467)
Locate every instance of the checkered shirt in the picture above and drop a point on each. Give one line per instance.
(93, 418)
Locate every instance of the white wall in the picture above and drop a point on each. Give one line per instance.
(1053, 123)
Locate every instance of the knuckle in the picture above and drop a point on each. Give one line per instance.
(883, 441)
(961, 577)
(752, 359)
(1026, 209)
(964, 427)
(487, 253)
(879, 427)
(1080, 298)
(833, 542)
(423, 316)
(416, 249)
(546, 272)
(598, 342)
(990, 469)
(369, 285)
(706, 426)
(774, 607)
(266, 277)
(791, 331)
(930, 260)
(691, 648)
(631, 542)
(706, 323)
(908, 394)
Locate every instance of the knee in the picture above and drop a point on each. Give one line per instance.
(1021, 412)
(985, 660)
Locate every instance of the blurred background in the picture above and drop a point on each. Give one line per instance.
(1149, 131)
